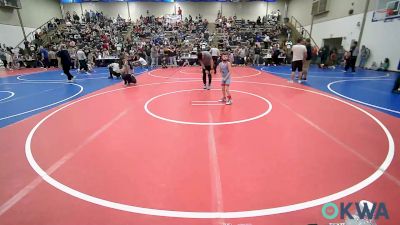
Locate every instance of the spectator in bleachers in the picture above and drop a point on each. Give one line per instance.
(154, 55)
(3, 58)
(215, 54)
(257, 53)
(75, 17)
(53, 58)
(44, 56)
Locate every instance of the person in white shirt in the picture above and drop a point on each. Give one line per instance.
(215, 53)
(299, 55)
(115, 70)
(119, 48)
(139, 61)
(266, 41)
(80, 54)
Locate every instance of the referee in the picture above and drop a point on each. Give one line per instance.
(207, 65)
(65, 59)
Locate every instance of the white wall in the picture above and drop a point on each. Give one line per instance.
(382, 38)
(345, 28)
(155, 8)
(209, 10)
(34, 13)
(251, 10)
(301, 9)
(11, 35)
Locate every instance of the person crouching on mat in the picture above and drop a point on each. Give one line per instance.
(207, 65)
(225, 67)
(115, 70)
(127, 72)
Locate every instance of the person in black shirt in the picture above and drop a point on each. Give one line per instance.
(324, 53)
(396, 87)
(257, 52)
(65, 58)
(353, 57)
(307, 63)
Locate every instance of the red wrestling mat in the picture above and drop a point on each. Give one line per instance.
(165, 149)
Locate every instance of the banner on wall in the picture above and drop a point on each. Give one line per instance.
(172, 18)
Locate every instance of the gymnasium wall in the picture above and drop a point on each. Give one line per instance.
(209, 10)
(345, 28)
(33, 13)
(12, 35)
(301, 10)
(337, 23)
(381, 38)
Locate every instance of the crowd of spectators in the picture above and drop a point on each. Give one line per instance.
(158, 40)
(254, 42)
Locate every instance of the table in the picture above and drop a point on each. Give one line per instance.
(103, 62)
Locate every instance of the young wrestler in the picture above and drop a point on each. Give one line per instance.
(127, 73)
(226, 68)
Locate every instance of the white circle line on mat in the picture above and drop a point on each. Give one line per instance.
(148, 111)
(11, 94)
(343, 77)
(46, 106)
(20, 77)
(238, 214)
(329, 86)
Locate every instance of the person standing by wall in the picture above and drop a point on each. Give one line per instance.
(353, 57)
(364, 55)
(324, 53)
(340, 55)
